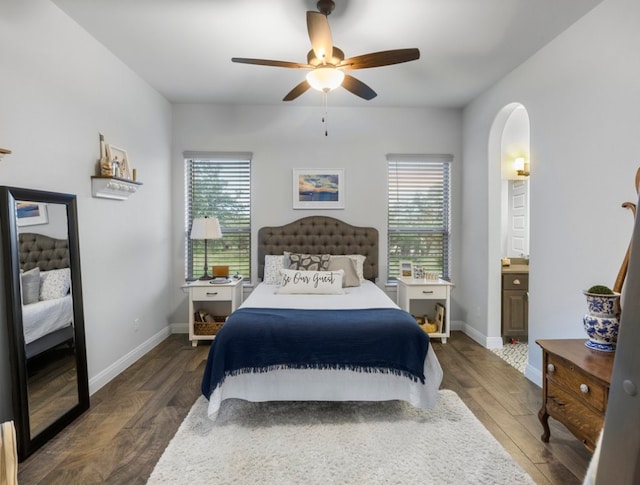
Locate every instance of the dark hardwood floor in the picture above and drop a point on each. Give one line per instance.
(133, 418)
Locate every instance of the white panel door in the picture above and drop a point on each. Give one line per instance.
(518, 230)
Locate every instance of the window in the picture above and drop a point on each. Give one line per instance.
(418, 213)
(219, 185)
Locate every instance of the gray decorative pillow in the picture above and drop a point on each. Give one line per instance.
(30, 286)
(309, 262)
(348, 265)
(55, 283)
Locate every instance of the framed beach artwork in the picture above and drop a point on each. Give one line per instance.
(31, 213)
(318, 188)
(406, 269)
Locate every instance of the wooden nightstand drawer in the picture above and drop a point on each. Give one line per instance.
(574, 414)
(211, 294)
(576, 381)
(427, 292)
(515, 281)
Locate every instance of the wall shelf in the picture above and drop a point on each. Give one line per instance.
(115, 188)
(3, 152)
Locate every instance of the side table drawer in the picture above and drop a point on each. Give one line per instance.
(427, 292)
(515, 281)
(574, 380)
(584, 423)
(211, 294)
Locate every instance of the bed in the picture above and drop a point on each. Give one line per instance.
(346, 344)
(47, 310)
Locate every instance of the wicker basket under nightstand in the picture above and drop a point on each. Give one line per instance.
(209, 328)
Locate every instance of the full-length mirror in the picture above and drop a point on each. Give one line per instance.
(44, 313)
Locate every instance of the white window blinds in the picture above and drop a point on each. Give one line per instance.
(419, 213)
(219, 185)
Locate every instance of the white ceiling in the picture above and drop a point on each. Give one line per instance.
(183, 48)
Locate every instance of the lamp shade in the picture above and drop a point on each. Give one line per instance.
(206, 228)
(325, 78)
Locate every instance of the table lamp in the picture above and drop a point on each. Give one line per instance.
(205, 228)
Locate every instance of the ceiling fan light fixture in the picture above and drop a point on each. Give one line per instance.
(325, 78)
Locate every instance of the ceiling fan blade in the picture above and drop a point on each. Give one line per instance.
(268, 62)
(382, 58)
(320, 35)
(358, 88)
(297, 91)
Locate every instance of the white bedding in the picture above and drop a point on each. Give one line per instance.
(44, 317)
(327, 385)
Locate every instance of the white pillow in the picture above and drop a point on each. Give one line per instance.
(311, 282)
(272, 267)
(55, 283)
(359, 260)
(348, 265)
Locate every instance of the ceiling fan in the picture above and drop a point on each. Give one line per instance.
(326, 62)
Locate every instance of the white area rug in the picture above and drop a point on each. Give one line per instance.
(516, 355)
(327, 442)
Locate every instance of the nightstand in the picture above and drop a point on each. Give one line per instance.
(420, 296)
(218, 300)
(575, 388)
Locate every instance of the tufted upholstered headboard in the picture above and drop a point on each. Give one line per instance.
(320, 235)
(43, 251)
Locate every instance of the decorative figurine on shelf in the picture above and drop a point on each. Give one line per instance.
(106, 170)
(116, 167)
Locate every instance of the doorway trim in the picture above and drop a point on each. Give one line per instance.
(494, 220)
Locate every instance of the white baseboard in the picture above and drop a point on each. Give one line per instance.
(179, 327)
(533, 374)
(482, 339)
(100, 380)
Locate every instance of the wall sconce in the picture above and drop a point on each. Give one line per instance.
(521, 167)
(3, 152)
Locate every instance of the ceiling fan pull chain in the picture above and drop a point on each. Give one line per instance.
(325, 114)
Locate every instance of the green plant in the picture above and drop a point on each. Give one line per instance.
(600, 290)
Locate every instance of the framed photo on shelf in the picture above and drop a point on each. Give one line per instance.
(31, 213)
(119, 161)
(440, 317)
(406, 269)
(318, 188)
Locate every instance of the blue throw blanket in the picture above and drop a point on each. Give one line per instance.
(255, 340)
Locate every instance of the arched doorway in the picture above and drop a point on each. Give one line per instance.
(509, 140)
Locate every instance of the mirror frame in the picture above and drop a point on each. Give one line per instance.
(27, 444)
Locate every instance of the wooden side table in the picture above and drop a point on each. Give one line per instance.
(575, 388)
(215, 299)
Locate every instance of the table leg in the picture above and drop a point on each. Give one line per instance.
(544, 420)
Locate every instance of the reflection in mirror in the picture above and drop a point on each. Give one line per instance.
(47, 312)
(44, 313)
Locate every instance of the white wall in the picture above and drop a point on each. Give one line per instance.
(581, 92)
(59, 88)
(288, 136)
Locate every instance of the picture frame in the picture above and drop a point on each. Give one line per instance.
(30, 213)
(440, 314)
(418, 272)
(318, 188)
(119, 161)
(406, 269)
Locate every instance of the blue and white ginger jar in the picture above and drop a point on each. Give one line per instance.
(603, 321)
